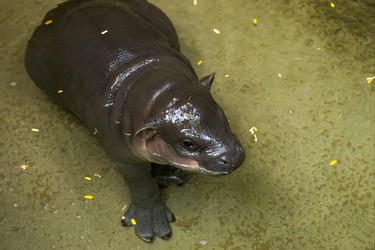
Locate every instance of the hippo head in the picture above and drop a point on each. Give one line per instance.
(188, 129)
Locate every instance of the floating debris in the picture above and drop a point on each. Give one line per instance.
(203, 242)
(48, 22)
(24, 166)
(98, 175)
(253, 131)
(123, 209)
(12, 84)
(96, 131)
(216, 31)
(104, 32)
(35, 130)
(226, 75)
(195, 2)
(279, 75)
(370, 79)
(200, 62)
(332, 163)
(340, 115)
(89, 197)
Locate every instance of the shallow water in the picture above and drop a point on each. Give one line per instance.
(298, 76)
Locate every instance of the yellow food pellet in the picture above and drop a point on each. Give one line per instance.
(370, 79)
(133, 222)
(89, 197)
(199, 62)
(253, 129)
(48, 22)
(255, 21)
(24, 166)
(103, 32)
(87, 178)
(334, 162)
(60, 91)
(332, 5)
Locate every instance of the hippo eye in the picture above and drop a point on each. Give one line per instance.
(188, 145)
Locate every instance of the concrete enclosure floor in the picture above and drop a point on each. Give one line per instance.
(301, 75)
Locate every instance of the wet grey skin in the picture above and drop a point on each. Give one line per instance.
(117, 66)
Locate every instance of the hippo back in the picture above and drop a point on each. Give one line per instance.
(82, 46)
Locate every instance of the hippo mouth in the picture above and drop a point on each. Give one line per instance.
(158, 151)
(198, 169)
(169, 157)
(206, 171)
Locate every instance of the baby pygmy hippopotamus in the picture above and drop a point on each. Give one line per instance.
(117, 66)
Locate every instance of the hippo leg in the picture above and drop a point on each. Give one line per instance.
(165, 174)
(147, 210)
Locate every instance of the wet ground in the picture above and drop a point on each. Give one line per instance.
(298, 76)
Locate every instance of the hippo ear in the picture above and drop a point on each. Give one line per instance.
(208, 80)
(148, 131)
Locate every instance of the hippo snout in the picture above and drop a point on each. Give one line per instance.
(227, 162)
(231, 160)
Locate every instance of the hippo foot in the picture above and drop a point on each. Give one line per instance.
(164, 175)
(149, 220)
